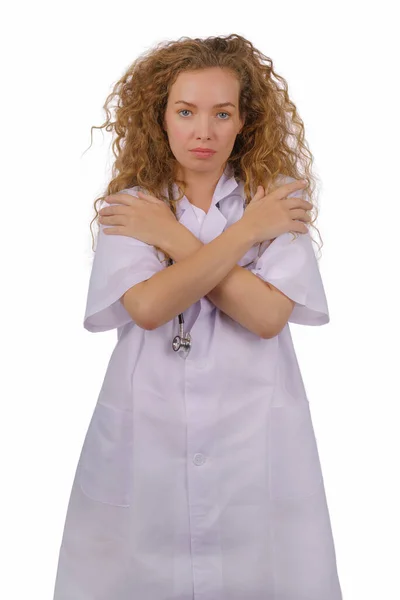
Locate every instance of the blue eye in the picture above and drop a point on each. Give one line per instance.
(220, 113)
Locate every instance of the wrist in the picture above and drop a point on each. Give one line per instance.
(180, 242)
(246, 231)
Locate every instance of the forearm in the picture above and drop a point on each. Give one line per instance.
(240, 294)
(173, 290)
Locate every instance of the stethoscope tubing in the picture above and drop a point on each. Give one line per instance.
(182, 341)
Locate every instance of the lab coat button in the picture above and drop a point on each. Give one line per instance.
(199, 459)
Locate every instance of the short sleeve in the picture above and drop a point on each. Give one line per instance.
(290, 264)
(119, 263)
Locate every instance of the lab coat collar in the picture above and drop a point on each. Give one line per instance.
(215, 221)
(225, 186)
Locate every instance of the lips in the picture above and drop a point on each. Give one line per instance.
(204, 150)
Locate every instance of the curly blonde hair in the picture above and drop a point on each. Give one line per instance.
(271, 143)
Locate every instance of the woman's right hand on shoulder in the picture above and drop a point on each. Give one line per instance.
(270, 215)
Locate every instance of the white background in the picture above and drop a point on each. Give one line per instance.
(59, 62)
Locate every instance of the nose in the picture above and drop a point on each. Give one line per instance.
(203, 128)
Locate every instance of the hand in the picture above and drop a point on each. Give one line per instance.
(273, 214)
(143, 217)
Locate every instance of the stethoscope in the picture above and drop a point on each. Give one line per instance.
(183, 341)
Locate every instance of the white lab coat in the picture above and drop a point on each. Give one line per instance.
(199, 477)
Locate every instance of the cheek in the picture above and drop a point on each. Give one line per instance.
(228, 136)
(177, 133)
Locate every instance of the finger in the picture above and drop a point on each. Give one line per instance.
(298, 203)
(148, 197)
(115, 209)
(120, 198)
(299, 227)
(306, 204)
(299, 214)
(259, 192)
(288, 188)
(113, 230)
(113, 220)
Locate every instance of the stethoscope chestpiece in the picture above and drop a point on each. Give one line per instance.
(182, 343)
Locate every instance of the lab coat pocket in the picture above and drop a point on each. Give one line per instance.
(295, 470)
(106, 460)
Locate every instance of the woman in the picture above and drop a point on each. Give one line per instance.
(199, 476)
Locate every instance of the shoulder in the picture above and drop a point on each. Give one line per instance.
(132, 190)
(282, 179)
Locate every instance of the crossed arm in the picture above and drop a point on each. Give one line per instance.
(255, 304)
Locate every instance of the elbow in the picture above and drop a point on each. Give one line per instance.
(272, 328)
(140, 319)
(132, 301)
(148, 326)
(143, 319)
(279, 315)
(147, 318)
(267, 335)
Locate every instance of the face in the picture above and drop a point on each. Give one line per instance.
(203, 124)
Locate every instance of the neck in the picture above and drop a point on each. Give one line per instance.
(200, 184)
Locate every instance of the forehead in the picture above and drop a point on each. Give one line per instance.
(208, 85)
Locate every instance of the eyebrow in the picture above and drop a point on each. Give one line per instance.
(220, 105)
